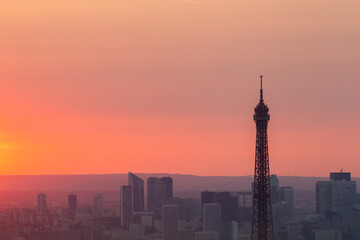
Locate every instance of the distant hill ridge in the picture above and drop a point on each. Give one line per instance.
(112, 182)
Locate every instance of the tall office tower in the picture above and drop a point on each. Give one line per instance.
(337, 195)
(275, 190)
(98, 213)
(126, 206)
(168, 186)
(191, 209)
(158, 190)
(287, 196)
(138, 192)
(340, 176)
(229, 204)
(244, 204)
(41, 204)
(98, 205)
(154, 194)
(211, 217)
(262, 222)
(72, 205)
(181, 203)
(170, 222)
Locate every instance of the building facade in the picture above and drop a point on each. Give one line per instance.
(138, 192)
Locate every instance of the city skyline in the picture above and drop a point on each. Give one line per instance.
(150, 120)
(143, 88)
(333, 213)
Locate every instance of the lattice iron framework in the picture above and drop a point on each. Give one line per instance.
(262, 222)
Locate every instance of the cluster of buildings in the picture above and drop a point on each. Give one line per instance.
(336, 215)
(214, 216)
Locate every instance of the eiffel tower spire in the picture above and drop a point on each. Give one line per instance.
(262, 222)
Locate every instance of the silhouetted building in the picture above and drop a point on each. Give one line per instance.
(244, 205)
(158, 190)
(72, 205)
(180, 203)
(229, 231)
(144, 218)
(275, 190)
(340, 176)
(168, 186)
(126, 205)
(98, 205)
(282, 214)
(188, 208)
(335, 202)
(192, 209)
(138, 192)
(211, 217)
(336, 196)
(228, 203)
(287, 196)
(41, 204)
(170, 222)
(355, 223)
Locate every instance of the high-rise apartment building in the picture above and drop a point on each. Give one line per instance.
(138, 192)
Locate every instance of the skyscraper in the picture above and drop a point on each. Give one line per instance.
(339, 176)
(126, 205)
(138, 192)
(262, 223)
(192, 209)
(170, 222)
(41, 203)
(72, 205)
(229, 204)
(211, 217)
(337, 195)
(275, 190)
(98, 205)
(158, 190)
(229, 231)
(287, 196)
(168, 186)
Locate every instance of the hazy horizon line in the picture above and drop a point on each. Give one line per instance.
(160, 173)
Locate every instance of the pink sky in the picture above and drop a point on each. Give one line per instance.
(108, 86)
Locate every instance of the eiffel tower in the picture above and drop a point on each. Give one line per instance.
(262, 222)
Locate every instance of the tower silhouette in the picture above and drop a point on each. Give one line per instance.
(262, 222)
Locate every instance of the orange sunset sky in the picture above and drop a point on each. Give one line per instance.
(110, 86)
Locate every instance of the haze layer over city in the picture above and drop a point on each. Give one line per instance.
(179, 120)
